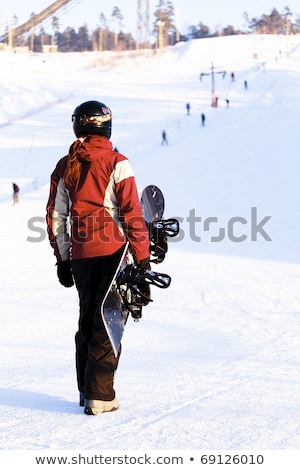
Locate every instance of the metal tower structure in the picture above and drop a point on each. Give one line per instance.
(34, 20)
(143, 24)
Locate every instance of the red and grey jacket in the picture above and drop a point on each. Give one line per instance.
(102, 213)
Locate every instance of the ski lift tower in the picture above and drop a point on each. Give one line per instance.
(143, 24)
(212, 74)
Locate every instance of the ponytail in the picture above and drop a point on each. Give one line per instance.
(73, 170)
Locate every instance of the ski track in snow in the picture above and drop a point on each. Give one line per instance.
(213, 363)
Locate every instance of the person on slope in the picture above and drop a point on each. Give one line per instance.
(164, 138)
(94, 187)
(16, 191)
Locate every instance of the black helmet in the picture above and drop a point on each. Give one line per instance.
(92, 117)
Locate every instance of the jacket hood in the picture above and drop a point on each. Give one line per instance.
(91, 146)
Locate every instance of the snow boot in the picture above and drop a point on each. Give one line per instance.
(96, 407)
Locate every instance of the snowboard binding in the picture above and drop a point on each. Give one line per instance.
(134, 285)
(159, 231)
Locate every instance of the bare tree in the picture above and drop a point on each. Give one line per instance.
(55, 28)
(117, 19)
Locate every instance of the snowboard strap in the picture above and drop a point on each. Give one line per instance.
(134, 275)
(159, 231)
(168, 227)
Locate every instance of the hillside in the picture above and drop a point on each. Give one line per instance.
(213, 364)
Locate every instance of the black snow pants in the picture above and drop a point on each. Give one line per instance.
(95, 359)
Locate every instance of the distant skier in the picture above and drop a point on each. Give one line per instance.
(203, 119)
(246, 85)
(188, 108)
(164, 138)
(215, 102)
(232, 76)
(16, 191)
(227, 103)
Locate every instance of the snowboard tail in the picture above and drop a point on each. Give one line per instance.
(113, 312)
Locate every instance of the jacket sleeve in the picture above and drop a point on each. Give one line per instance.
(131, 214)
(58, 214)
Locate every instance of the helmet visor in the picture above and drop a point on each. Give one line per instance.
(95, 120)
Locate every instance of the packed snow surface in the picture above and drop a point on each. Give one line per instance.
(214, 362)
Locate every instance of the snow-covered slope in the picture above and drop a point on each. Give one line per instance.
(214, 362)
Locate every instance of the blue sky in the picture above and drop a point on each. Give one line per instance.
(189, 12)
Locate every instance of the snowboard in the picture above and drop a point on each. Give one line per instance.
(153, 204)
(125, 294)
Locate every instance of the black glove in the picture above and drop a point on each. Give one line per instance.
(144, 264)
(64, 273)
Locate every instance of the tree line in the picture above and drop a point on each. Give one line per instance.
(109, 35)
